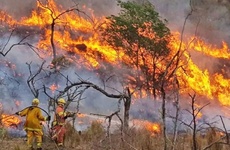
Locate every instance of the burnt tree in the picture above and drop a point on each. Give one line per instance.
(125, 96)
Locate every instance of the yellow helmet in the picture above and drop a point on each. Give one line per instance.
(35, 101)
(61, 101)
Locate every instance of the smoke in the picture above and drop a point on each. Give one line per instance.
(17, 8)
(209, 20)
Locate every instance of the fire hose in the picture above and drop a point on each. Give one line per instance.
(26, 108)
(8, 116)
(37, 107)
(43, 111)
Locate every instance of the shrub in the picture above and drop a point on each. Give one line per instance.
(95, 131)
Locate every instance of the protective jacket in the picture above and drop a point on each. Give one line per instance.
(60, 116)
(58, 125)
(33, 118)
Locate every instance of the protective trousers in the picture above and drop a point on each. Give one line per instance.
(58, 134)
(34, 134)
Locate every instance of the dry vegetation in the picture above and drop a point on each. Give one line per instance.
(94, 138)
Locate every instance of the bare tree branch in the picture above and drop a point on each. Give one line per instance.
(226, 133)
(31, 79)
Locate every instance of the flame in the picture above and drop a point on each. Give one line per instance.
(77, 35)
(54, 87)
(9, 120)
(153, 127)
(80, 115)
(192, 78)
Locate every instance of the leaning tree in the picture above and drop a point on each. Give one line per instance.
(142, 35)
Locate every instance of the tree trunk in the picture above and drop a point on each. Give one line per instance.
(127, 103)
(52, 39)
(194, 124)
(177, 87)
(164, 115)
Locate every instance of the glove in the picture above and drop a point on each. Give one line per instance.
(70, 114)
(17, 113)
(48, 118)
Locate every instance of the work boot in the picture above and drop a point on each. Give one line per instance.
(39, 148)
(61, 147)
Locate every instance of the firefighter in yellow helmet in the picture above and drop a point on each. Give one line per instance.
(58, 125)
(32, 124)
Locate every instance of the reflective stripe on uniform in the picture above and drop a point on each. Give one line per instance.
(62, 113)
(39, 145)
(32, 129)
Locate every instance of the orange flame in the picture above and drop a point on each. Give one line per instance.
(80, 115)
(53, 87)
(153, 127)
(9, 120)
(76, 35)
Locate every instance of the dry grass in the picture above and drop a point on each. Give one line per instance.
(86, 139)
(94, 138)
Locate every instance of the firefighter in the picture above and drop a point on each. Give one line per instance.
(33, 126)
(58, 125)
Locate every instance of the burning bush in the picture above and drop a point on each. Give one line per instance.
(10, 121)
